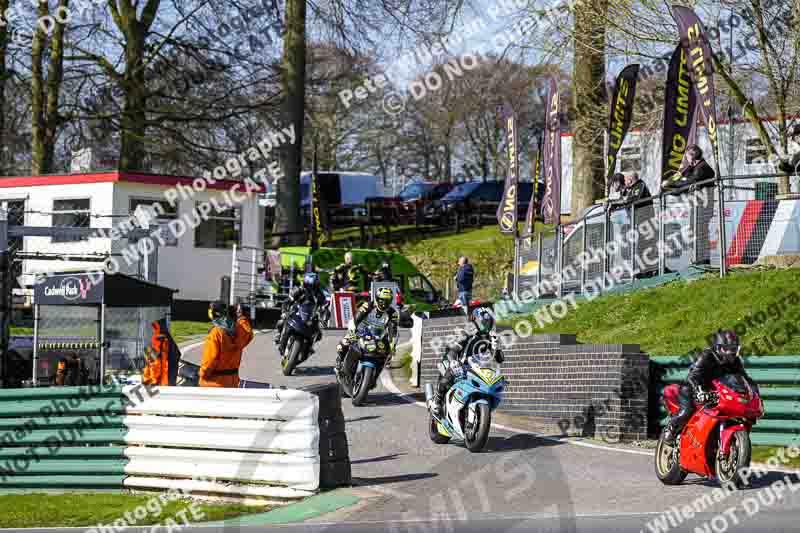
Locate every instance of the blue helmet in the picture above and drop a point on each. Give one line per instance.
(310, 280)
(483, 319)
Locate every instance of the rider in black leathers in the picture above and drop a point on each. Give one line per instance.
(720, 359)
(482, 331)
(309, 289)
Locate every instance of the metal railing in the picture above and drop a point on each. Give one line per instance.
(736, 218)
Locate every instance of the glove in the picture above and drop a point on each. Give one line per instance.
(456, 368)
(701, 396)
(495, 343)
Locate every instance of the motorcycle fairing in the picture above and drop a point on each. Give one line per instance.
(694, 441)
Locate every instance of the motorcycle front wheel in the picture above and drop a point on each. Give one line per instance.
(729, 469)
(667, 463)
(477, 433)
(289, 362)
(361, 385)
(433, 431)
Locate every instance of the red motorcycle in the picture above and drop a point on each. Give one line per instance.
(716, 440)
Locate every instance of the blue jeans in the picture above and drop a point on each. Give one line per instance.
(464, 297)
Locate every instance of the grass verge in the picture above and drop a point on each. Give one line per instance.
(184, 329)
(761, 454)
(677, 318)
(91, 509)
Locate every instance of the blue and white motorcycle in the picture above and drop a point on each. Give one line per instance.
(468, 405)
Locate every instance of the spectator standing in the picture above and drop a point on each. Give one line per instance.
(616, 186)
(464, 278)
(696, 171)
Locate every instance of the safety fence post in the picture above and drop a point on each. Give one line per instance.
(233, 276)
(723, 267)
(539, 266)
(583, 256)
(634, 242)
(661, 258)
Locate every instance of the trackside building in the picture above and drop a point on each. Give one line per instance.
(197, 241)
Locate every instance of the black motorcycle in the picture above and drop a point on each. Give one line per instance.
(363, 363)
(300, 332)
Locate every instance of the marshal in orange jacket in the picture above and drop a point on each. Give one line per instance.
(157, 370)
(222, 355)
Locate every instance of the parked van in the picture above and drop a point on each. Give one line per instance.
(345, 193)
(479, 199)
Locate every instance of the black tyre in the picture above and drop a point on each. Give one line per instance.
(433, 431)
(361, 383)
(729, 469)
(667, 463)
(289, 363)
(477, 433)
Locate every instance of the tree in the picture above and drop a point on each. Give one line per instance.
(590, 103)
(46, 121)
(4, 74)
(287, 211)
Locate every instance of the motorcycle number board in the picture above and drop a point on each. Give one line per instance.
(344, 308)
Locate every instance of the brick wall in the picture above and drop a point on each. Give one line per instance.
(590, 390)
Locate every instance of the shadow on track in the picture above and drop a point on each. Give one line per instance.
(309, 371)
(378, 459)
(362, 418)
(519, 441)
(366, 481)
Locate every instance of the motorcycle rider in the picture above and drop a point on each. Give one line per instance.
(379, 311)
(720, 359)
(479, 330)
(310, 289)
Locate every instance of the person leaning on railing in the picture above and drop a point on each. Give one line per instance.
(697, 171)
(635, 191)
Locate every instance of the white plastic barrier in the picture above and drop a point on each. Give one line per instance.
(255, 444)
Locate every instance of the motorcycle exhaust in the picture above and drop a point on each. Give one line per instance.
(428, 392)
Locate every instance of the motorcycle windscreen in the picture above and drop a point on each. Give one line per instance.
(735, 382)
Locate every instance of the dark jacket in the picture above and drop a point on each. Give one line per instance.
(706, 368)
(701, 171)
(465, 346)
(299, 293)
(464, 278)
(637, 192)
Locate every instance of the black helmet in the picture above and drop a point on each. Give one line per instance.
(483, 320)
(726, 346)
(311, 280)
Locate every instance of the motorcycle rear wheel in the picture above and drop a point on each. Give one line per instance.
(289, 363)
(729, 470)
(433, 431)
(667, 463)
(475, 436)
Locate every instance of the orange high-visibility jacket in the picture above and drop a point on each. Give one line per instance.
(222, 355)
(157, 371)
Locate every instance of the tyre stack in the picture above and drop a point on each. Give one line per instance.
(334, 454)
